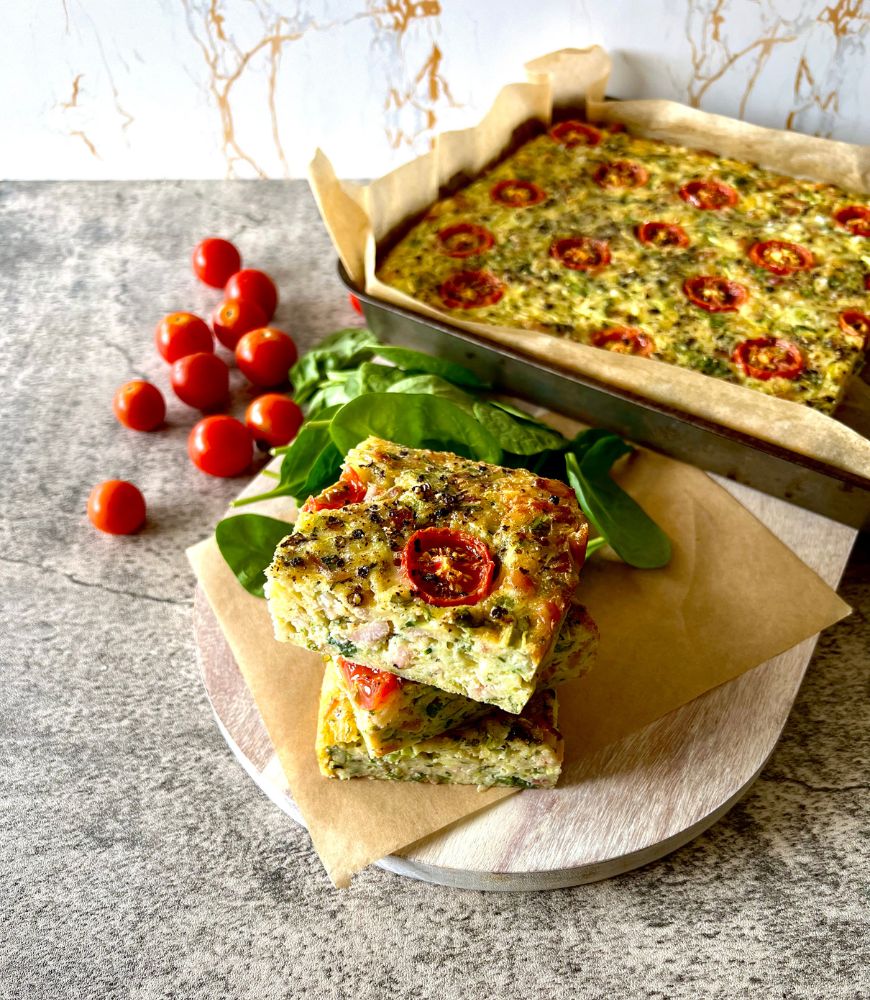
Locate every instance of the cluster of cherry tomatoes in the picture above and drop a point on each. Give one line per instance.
(218, 444)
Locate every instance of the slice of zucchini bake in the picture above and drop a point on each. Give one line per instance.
(391, 713)
(439, 569)
(499, 748)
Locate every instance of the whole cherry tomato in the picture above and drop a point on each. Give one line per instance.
(139, 405)
(201, 380)
(116, 507)
(220, 446)
(215, 260)
(235, 317)
(254, 286)
(273, 419)
(265, 356)
(179, 334)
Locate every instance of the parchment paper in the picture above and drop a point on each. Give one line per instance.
(732, 597)
(358, 217)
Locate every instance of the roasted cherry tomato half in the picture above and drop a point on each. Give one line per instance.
(471, 290)
(139, 405)
(574, 133)
(662, 234)
(221, 446)
(355, 302)
(373, 688)
(620, 174)
(709, 195)
(465, 239)
(769, 357)
(265, 356)
(233, 318)
(517, 193)
(180, 334)
(253, 286)
(446, 567)
(780, 257)
(116, 507)
(715, 293)
(215, 260)
(855, 218)
(624, 340)
(273, 419)
(858, 323)
(580, 253)
(201, 381)
(349, 489)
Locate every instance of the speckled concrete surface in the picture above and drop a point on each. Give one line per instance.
(139, 861)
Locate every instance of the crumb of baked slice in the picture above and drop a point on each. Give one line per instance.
(440, 569)
(499, 748)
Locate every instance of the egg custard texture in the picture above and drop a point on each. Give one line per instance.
(637, 246)
(442, 570)
(391, 713)
(497, 749)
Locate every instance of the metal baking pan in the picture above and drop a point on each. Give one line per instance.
(842, 496)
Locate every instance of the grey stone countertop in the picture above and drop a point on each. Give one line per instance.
(138, 860)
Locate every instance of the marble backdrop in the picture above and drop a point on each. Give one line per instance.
(248, 88)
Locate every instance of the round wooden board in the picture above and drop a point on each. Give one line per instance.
(629, 804)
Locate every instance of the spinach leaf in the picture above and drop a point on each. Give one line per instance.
(343, 349)
(627, 528)
(247, 542)
(515, 411)
(416, 361)
(324, 472)
(416, 420)
(516, 436)
(434, 386)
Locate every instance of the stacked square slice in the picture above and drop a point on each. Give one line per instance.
(440, 591)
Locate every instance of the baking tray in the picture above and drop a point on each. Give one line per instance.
(806, 482)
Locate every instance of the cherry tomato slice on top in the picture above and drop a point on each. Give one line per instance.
(625, 340)
(446, 567)
(780, 257)
(139, 405)
(372, 688)
(116, 507)
(580, 253)
(715, 293)
(215, 260)
(616, 174)
(662, 234)
(855, 218)
(574, 133)
(471, 290)
(179, 334)
(855, 322)
(349, 489)
(517, 193)
(273, 419)
(464, 239)
(253, 286)
(709, 195)
(769, 357)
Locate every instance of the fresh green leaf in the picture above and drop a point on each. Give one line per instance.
(515, 411)
(417, 361)
(516, 436)
(415, 420)
(248, 542)
(372, 377)
(623, 523)
(434, 385)
(343, 349)
(324, 471)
